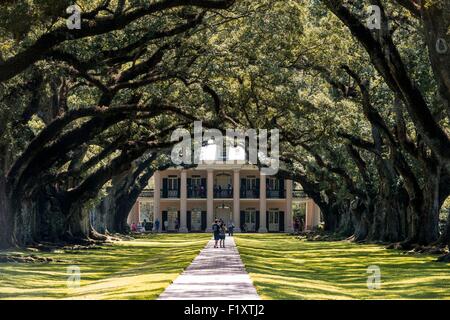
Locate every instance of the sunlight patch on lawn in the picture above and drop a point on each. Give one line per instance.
(283, 267)
(137, 269)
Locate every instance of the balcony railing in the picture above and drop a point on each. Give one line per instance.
(250, 194)
(223, 194)
(170, 194)
(196, 194)
(147, 193)
(299, 194)
(275, 194)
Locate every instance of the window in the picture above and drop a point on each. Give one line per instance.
(172, 182)
(273, 217)
(251, 183)
(273, 184)
(250, 216)
(223, 180)
(146, 211)
(196, 181)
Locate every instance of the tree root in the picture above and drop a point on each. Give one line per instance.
(26, 259)
(444, 258)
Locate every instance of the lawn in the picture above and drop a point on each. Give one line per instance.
(137, 269)
(283, 267)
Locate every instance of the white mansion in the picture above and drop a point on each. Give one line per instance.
(188, 200)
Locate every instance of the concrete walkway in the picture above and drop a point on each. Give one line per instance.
(215, 274)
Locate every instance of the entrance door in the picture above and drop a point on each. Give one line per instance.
(224, 213)
(196, 220)
(274, 223)
(250, 220)
(172, 217)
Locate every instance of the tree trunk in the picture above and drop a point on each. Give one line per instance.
(429, 216)
(78, 226)
(6, 218)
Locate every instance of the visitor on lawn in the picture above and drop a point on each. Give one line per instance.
(216, 232)
(157, 225)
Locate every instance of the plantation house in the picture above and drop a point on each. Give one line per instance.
(188, 200)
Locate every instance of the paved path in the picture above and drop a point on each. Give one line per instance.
(215, 274)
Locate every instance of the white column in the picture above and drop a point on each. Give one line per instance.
(316, 215)
(262, 204)
(309, 219)
(236, 201)
(183, 202)
(288, 225)
(209, 199)
(156, 200)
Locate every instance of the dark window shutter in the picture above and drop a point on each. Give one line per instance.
(190, 188)
(179, 188)
(164, 219)
(281, 188)
(179, 216)
(203, 184)
(165, 184)
(281, 221)
(257, 221)
(258, 184)
(242, 219)
(267, 220)
(243, 180)
(204, 227)
(188, 220)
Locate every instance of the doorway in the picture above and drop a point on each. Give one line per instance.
(274, 221)
(250, 220)
(196, 220)
(224, 212)
(172, 219)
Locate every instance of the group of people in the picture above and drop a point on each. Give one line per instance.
(145, 226)
(218, 190)
(220, 230)
(197, 191)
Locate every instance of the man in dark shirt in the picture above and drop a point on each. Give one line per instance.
(216, 232)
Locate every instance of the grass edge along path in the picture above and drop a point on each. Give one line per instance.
(137, 269)
(283, 267)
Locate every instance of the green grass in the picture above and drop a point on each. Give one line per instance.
(283, 267)
(138, 269)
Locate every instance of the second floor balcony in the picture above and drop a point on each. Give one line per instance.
(223, 193)
(196, 193)
(250, 194)
(275, 194)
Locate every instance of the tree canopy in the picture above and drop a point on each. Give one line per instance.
(87, 114)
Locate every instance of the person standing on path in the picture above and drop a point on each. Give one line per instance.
(157, 225)
(230, 229)
(216, 232)
(222, 233)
